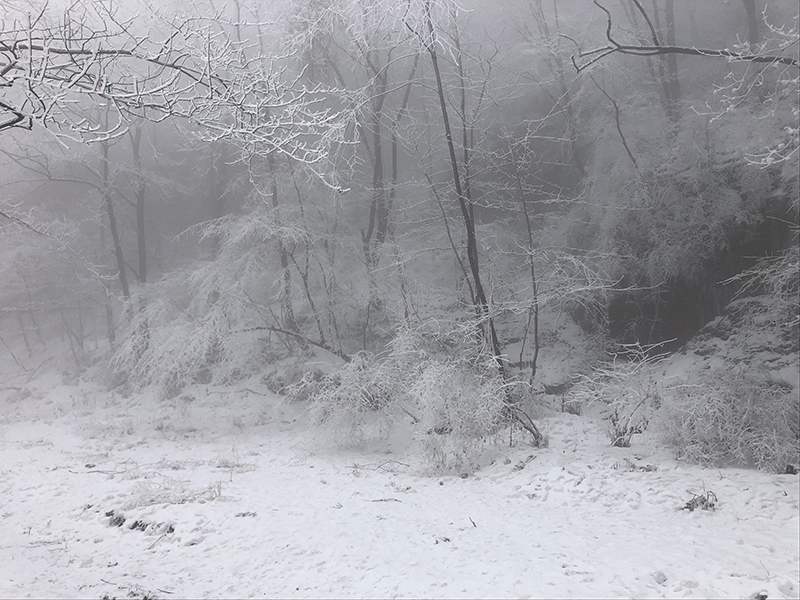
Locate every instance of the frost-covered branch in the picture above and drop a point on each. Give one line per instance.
(586, 58)
(54, 71)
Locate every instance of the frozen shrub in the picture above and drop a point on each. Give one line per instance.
(358, 403)
(734, 419)
(460, 407)
(211, 340)
(362, 400)
(779, 277)
(446, 382)
(628, 387)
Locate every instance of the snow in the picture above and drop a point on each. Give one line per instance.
(238, 498)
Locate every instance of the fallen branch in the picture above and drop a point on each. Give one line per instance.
(300, 336)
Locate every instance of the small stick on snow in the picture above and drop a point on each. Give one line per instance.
(473, 522)
(252, 392)
(765, 568)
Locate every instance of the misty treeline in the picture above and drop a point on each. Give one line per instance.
(198, 189)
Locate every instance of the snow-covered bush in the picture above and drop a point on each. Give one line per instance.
(189, 336)
(734, 419)
(779, 277)
(444, 382)
(363, 399)
(358, 403)
(460, 407)
(628, 386)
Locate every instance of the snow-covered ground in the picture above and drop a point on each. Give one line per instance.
(227, 493)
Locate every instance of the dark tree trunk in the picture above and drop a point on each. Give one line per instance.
(753, 36)
(289, 321)
(112, 223)
(143, 332)
(481, 303)
(673, 81)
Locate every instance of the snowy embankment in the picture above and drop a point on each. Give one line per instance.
(228, 495)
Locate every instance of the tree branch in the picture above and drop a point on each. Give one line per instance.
(657, 49)
(300, 336)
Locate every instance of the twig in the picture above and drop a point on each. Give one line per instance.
(98, 471)
(254, 392)
(358, 466)
(299, 336)
(765, 568)
(391, 461)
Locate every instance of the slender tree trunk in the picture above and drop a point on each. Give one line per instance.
(668, 66)
(395, 127)
(672, 60)
(28, 294)
(753, 36)
(304, 272)
(143, 330)
(112, 223)
(141, 192)
(375, 233)
(482, 305)
(24, 331)
(558, 67)
(533, 310)
(289, 321)
(216, 192)
(109, 309)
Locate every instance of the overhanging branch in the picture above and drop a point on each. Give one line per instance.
(586, 58)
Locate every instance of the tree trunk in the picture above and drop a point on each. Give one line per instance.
(753, 36)
(289, 321)
(216, 192)
(375, 233)
(112, 222)
(141, 191)
(673, 81)
(143, 331)
(481, 303)
(109, 309)
(533, 310)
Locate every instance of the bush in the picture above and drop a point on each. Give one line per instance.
(734, 419)
(628, 387)
(460, 407)
(444, 381)
(358, 403)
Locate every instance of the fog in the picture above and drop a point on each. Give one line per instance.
(380, 298)
(195, 188)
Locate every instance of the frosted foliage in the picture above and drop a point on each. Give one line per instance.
(628, 386)
(180, 347)
(205, 319)
(358, 403)
(780, 277)
(459, 410)
(733, 419)
(451, 391)
(457, 400)
(671, 226)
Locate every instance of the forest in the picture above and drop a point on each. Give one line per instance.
(427, 224)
